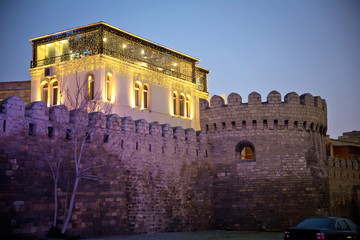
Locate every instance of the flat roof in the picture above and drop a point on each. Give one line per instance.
(119, 30)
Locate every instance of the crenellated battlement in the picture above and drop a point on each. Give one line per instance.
(41, 116)
(303, 112)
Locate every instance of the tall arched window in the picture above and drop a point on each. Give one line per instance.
(182, 110)
(55, 93)
(187, 107)
(108, 87)
(137, 95)
(245, 151)
(145, 96)
(174, 103)
(91, 87)
(45, 93)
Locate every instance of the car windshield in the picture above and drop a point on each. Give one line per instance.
(315, 223)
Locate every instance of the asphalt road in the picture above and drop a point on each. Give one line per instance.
(206, 235)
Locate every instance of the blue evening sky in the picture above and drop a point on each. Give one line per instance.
(306, 46)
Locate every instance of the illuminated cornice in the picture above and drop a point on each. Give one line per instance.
(64, 34)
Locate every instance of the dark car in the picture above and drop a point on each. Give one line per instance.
(329, 228)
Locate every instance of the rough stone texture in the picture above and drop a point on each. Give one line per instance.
(161, 179)
(22, 89)
(344, 185)
(287, 179)
(165, 178)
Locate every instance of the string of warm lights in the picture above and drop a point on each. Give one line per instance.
(100, 41)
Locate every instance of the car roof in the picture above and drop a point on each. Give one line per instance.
(324, 217)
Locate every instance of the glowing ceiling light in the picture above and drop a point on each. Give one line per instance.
(104, 39)
(142, 51)
(175, 64)
(124, 45)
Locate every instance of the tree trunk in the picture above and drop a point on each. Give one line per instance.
(55, 201)
(71, 205)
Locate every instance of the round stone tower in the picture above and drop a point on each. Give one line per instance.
(269, 159)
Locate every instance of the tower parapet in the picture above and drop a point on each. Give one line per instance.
(302, 113)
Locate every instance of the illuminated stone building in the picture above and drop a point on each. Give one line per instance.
(140, 78)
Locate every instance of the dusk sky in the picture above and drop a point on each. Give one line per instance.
(305, 46)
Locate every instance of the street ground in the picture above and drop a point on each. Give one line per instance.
(206, 235)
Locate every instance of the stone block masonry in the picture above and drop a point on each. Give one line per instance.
(159, 179)
(285, 178)
(255, 165)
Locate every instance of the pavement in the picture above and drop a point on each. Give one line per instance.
(205, 235)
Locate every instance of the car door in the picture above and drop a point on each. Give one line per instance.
(343, 229)
(354, 228)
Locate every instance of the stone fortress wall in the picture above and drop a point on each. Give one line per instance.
(287, 178)
(173, 179)
(162, 178)
(344, 182)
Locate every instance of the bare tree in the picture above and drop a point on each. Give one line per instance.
(72, 159)
(54, 162)
(83, 125)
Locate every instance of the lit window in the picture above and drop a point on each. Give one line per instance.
(146, 95)
(137, 95)
(45, 94)
(91, 87)
(174, 103)
(245, 151)
(108, 88)
(187, 107)
(182, 112)
(55, 93)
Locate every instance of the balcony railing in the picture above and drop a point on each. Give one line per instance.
(138, 61)
(148, 64)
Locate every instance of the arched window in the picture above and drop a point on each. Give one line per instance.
(45, 93)
(145, 96)
(187, 107)
(137, 95)
(91, 87)
(55, 93)
(108, 87)
(174, 103)
(245, 151)
(182, 110)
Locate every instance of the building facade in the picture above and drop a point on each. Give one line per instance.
(139, 78)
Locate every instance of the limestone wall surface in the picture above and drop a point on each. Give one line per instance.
(344, 182)
(21, 89)
(286, 179)
(159, 176)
